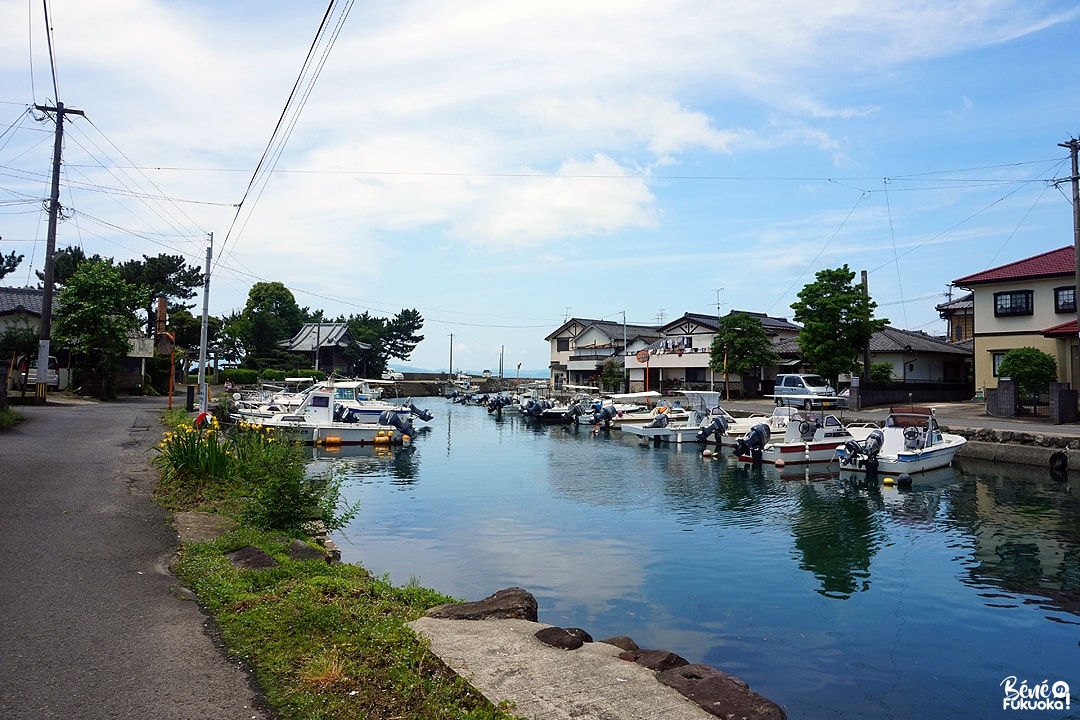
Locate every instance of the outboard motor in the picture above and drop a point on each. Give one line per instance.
(604, 415)
(660, 421)
(864, 453)
(754, 442)
(394, 420)
(717, 428)
(344, 414)
(424, 415)
(529, 407)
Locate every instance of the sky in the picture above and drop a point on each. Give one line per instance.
(503, 166)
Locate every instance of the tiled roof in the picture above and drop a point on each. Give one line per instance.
(892, 339)
(967, 302)
(1048, 264)
(1065, 329)
(20, 300)
(323, 334)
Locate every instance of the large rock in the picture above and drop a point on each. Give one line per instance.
(658, 660)
(251, 558)
(512, 603)
(563, 638)
(721, 694)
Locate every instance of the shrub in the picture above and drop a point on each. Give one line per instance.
(239, 376)
(881, 372)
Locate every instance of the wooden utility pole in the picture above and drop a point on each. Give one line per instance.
(50, 252)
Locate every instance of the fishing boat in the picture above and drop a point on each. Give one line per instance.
(808, 437)
(319, 420)
(911, 442)
(360, 398)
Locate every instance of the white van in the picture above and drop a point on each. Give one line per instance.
(389, 374)
(804, 384)
(24, 373)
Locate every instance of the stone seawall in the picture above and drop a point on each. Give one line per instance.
(1023, 448)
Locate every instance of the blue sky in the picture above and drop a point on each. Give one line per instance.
(502, 166)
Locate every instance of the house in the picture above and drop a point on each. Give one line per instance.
(679, 358)
(20, 308)
(960, 316)
(1027, 303)
(580, 347)
(324, 343)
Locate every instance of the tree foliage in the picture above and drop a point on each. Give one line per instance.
(9, 262)
(270, 316)
(387, 337)
(166, 275)
(838, 321)
(1031, 369)
(740, 344)
(95, 315)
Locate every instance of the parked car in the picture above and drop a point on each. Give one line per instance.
(805, 385)
(486, 374)
(843, 398)
(25, 373)
(389, 374)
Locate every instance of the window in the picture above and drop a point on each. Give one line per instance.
(1065, 299)
(958, 332)
(562, 344)
(1013, 303)
(997, 358)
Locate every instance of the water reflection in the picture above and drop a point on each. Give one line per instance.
(836, 595)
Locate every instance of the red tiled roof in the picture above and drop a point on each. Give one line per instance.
(1065, 329)
(1055, 262)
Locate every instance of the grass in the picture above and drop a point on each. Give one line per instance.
(324, 641)
(9, 418)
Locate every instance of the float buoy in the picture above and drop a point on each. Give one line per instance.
(780, 463)
(1059, 461)
(707, 453)
(904, 480)
(888, 482)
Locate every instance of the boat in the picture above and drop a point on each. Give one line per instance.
(808, 437)
(319, 420)
(911, 442)
(361, 399)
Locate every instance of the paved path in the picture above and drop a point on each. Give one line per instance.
(92, 624)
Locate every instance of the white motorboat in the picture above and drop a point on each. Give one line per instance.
(354, 400)
(911, 442)
(807, 437)
(319, 420)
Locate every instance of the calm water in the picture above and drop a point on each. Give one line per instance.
(833, 599)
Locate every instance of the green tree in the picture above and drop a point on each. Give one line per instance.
(270, 316)
(95, 315)
(9, 262)
(740, 344)
(611, 374)
(838, 321)
(1030, 368)
(388, 338)
(166, 275)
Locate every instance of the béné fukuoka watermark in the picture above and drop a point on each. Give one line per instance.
(1039, 696)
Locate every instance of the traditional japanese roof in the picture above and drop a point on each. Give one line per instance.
(892, 339)
(321, 334)
(20, 301)
(611, 328)
(967, 302)
(1060, 262)
(772, 325)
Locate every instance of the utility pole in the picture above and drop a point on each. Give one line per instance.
(1074, 146)
(50, 251)
(204, 390)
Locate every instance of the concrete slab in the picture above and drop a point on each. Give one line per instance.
(503, 660)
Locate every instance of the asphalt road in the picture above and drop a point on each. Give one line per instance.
(92, 624)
